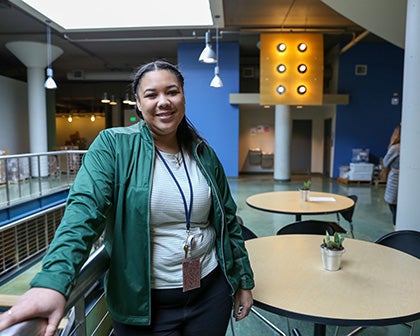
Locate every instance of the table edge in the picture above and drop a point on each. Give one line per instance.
(297, 213)
(335, 320)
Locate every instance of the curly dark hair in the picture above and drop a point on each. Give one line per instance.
(186, 133)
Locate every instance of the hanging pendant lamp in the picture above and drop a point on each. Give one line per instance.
(49, 83)
(217, 81)
(208, 55)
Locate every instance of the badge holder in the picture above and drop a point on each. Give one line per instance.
(191, 273)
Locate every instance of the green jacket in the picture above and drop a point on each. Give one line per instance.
(112, 192)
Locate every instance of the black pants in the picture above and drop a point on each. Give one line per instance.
(204, 311)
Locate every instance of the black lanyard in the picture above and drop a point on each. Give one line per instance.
(187, 210)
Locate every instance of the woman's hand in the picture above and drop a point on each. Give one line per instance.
(36, 303)
(243, 303)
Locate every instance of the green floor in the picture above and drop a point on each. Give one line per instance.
(372, 219)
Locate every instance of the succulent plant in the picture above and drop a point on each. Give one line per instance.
(334, 242)
(306, 185)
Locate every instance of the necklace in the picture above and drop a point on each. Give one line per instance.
(178, 159)
(174, 160)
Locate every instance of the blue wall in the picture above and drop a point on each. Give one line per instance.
(369, 119)
(208, 108)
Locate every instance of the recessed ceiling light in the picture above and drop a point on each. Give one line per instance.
(92, 14)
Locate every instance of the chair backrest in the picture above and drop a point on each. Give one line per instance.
(246, 233)
(348, 214)
(311, 226)
(407, 241)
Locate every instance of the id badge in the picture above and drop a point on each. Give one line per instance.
(191, 274)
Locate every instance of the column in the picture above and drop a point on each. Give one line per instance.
(34, 56)
(282, 139)
(409, 183)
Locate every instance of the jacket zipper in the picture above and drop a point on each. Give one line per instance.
(204, 171)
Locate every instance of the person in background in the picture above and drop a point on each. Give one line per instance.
(177, 259)
(392, 162)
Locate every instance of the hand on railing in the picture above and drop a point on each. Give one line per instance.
(36, 303)
(43, 303)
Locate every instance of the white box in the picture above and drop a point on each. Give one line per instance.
(360, 171)
(18, 169)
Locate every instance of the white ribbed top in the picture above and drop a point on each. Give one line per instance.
(168, 223)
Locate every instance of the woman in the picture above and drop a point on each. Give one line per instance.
(158, 190)
(392, 161)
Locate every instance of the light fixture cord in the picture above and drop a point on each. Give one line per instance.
(287, 14)
(49, 44)
(217, 44)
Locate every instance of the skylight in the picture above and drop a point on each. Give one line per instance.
(93, 14)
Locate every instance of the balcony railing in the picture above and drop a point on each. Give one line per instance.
(27, 239)
(27, 176)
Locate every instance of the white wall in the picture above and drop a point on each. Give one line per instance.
(253, 117)
(256, 131)
(14, 120)
(389, 25)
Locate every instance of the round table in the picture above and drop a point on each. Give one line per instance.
(289, 202)
(376, 285)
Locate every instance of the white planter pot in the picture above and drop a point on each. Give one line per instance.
(304, 195)
(331, 259)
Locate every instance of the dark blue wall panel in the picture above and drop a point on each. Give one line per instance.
(28, 208)
(369, 119)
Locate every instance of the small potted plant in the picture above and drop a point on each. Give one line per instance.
(332, 250)
(304, 190)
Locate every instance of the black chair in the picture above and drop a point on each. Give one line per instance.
(348, 214)
(311, 226)
(249, 234)
(407, 241)
(246, 232)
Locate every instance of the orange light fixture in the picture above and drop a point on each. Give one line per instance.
(292, 69)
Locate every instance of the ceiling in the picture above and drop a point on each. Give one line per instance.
(123, 51)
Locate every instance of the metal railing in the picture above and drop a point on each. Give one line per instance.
(24, 241)
(27, 239)
(89, 278)
(27, 176)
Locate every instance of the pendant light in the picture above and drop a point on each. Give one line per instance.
(113, 102)
(49, 83)
(208, 55)
(105, 99)
(127, 99)
(217, 81)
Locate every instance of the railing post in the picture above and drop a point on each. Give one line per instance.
(80, 317)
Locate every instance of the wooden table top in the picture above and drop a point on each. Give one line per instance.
(289, 202)
(376, 285)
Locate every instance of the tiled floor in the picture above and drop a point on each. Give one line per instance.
(371, 219)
